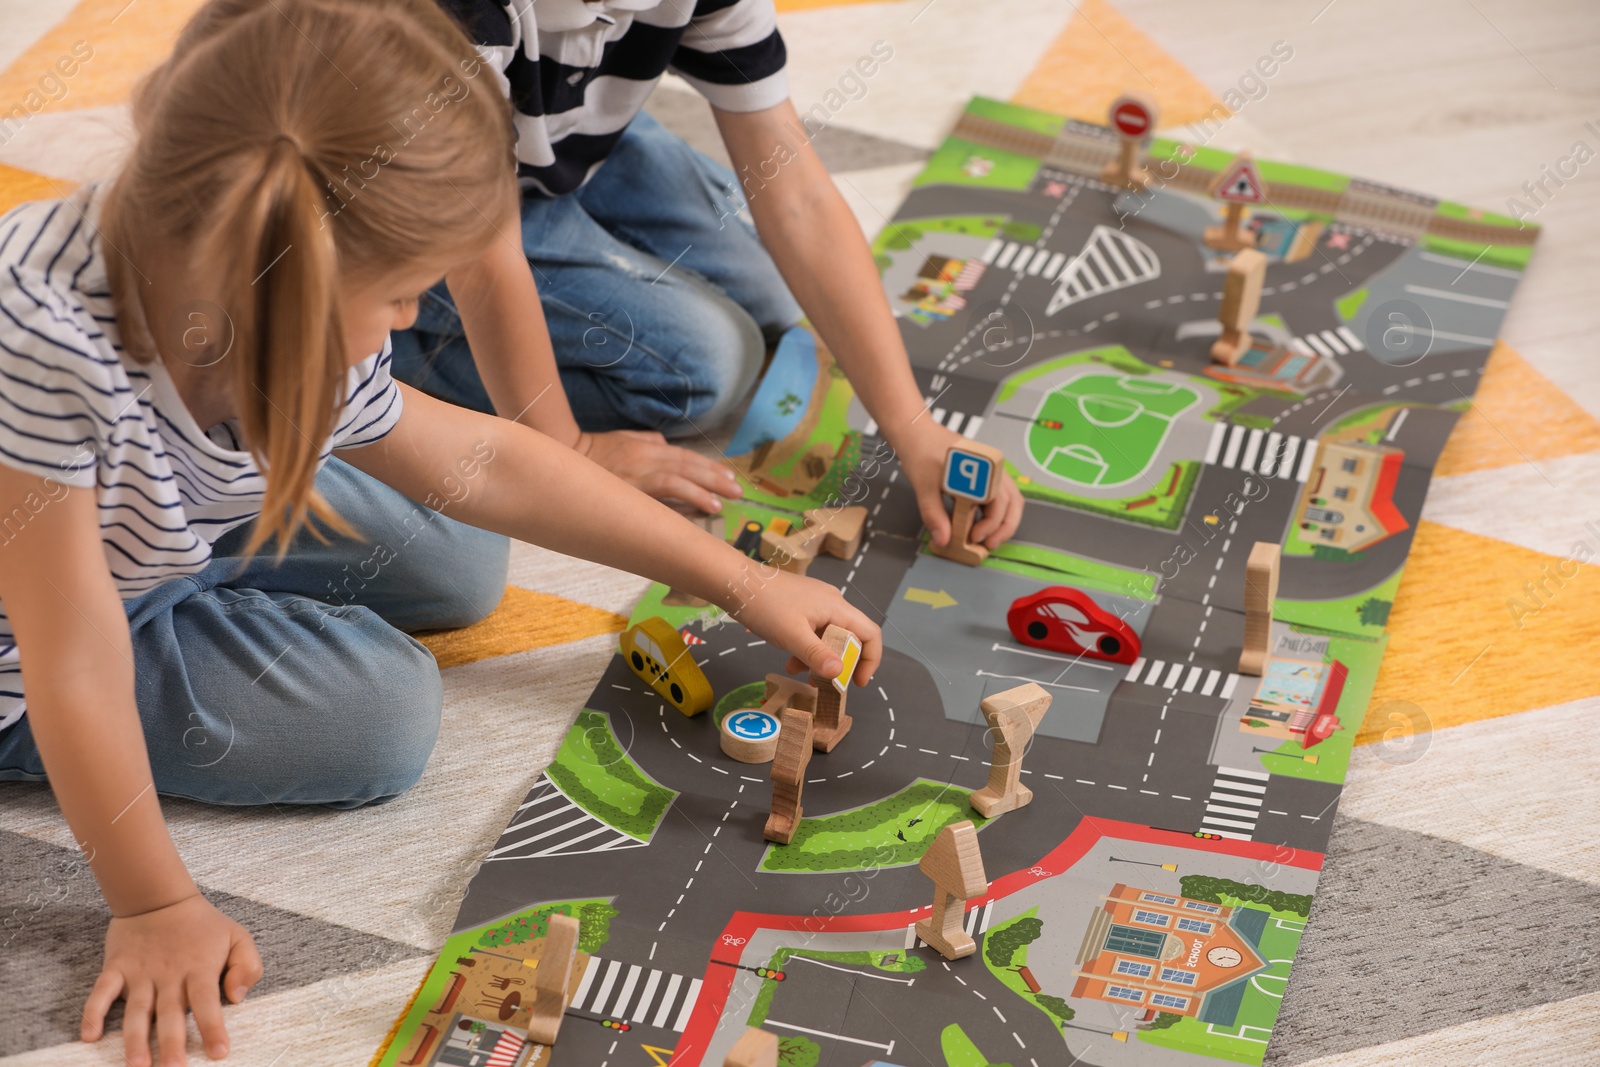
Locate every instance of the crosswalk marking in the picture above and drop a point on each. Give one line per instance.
(589, 972)
(613, 968)
(1232, 810)
(951, 420)
(689, 998)
(626, 993)
(1179, 676)
(1021, 262)
(1252, 449)
(1307, 457)
(1327, 343)
(1271, 454)
(600, 978)
(1054, 266)
(1230, 455)
(1110, 260)
(1007, 255)
(641, 1009)
(666, 1001)
(993, 250)
(556, 826)
(1222, 809)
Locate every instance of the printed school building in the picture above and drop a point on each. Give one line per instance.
(1166, 953)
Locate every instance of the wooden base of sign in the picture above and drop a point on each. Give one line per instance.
(959, 548)
(1230, 237)
(1127, 172)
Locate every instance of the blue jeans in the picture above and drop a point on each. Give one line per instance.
(296, 683)
(659, 297)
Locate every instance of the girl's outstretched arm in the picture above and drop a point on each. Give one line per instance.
(508, 478)
(167, 948)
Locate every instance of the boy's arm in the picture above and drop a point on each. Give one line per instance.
(77, 657)
(817, 244)
(505, 326)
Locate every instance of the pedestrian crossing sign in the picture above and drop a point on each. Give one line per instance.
(1241, 183)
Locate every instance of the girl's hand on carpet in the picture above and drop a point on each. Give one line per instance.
(791, 612)
(922, 455)
(164, 963)
(647, 462)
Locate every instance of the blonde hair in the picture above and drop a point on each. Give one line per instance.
(285, 146)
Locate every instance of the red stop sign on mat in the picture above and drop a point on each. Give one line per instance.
(1131, 117)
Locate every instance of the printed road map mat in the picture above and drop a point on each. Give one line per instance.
(1146, 907)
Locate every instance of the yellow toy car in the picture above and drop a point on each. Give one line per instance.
(657, 654)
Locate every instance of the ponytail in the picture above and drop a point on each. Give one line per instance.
(260, 158)
(276, 270)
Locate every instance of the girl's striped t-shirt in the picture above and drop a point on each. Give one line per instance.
(76, 411)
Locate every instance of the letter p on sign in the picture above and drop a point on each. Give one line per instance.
(970, 472)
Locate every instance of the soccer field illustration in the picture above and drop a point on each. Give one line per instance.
(1104, 430)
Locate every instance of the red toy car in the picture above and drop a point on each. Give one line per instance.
(1066, 620)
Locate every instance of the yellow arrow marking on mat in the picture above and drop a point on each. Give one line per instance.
(938, 600)
(659, 1056)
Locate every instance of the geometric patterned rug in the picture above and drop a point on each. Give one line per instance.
(1455, 914)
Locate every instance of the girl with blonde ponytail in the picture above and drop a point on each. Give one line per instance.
(220, 517)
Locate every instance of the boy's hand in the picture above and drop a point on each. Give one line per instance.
(645, 460)
(922, 451)
(792, 612)
(163, 963)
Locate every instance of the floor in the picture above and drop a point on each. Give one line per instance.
(1455, 917)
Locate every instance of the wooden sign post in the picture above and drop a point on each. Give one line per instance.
(956, 867)
(1012, 717)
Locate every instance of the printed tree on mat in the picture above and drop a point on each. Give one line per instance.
(795, 1050)
(594, 926)
(1202, 887)
(1001, 945)
(1055, 1006)
(1375, 612)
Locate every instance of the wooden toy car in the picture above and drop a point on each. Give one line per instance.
(1066, 620)
(657, 654)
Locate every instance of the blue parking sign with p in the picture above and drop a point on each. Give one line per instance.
(969, 475)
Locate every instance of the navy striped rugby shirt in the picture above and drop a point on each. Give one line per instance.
(577, 73)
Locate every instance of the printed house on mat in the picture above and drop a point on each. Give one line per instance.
(1349, 498)
(1167, 953)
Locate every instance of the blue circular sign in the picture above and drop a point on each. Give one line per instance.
(752, 725)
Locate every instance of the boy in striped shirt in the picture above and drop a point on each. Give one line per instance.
(639, 303)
